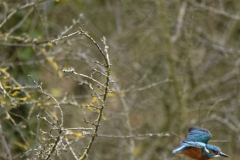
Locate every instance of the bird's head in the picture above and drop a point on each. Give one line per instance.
(213, 151)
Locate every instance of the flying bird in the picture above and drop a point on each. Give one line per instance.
(196, 145)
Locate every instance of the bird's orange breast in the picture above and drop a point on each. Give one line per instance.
(195, 153)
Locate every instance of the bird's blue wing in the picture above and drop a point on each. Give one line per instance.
(193, 144)
(196, 134)
(184, 145)
(180, 149)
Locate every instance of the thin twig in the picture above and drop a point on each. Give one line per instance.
(19, 8)
(135, 136)
(211, 9)
(108, 65)
(21, 22)
(4, 143)
(181, 16)
(126, 109)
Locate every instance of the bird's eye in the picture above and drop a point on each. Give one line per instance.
(216, 152)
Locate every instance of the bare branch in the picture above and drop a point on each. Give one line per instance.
(218, 11)
(20, 8)
(138, 136)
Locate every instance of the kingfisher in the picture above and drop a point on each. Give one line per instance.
(196, 145)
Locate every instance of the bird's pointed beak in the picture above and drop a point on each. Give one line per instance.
(223, 154)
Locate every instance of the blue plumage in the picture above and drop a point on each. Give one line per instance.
(196, 145)
(196, 134)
